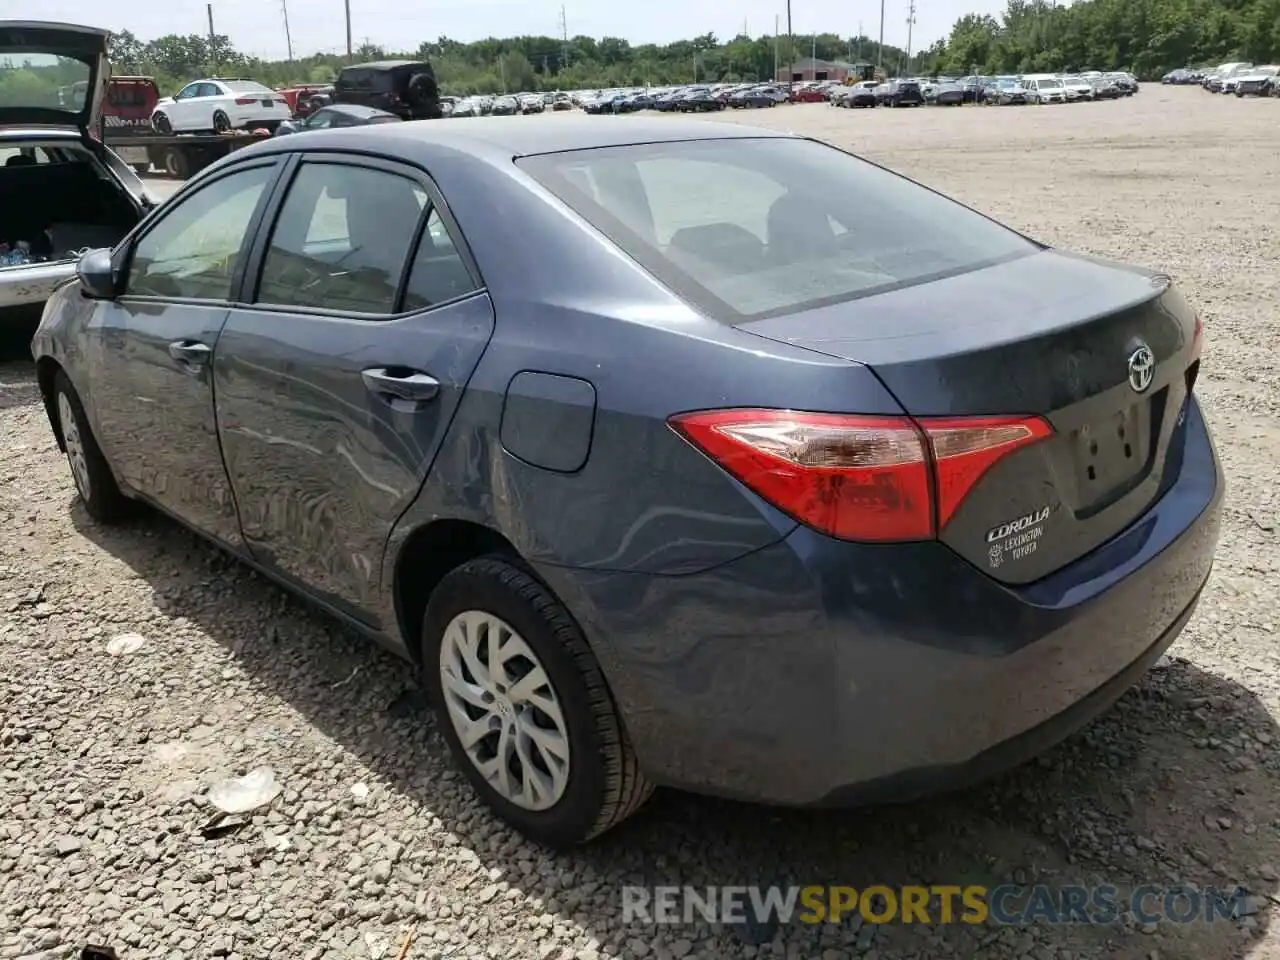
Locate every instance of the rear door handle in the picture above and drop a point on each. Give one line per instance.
(189, 351)
(401, 383)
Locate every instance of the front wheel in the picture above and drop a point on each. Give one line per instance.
(94, 481)
(163, 127)
(525, 708)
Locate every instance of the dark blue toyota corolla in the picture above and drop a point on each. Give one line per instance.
(671, 452)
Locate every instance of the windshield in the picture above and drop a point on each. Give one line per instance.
(42, 80)
(747, 228)
(246, 86)
(1049, 83)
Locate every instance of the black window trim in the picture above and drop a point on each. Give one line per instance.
(124, 252)
(257, 256)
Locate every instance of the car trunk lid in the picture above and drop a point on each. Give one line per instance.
(1106, 355)
(68, 71)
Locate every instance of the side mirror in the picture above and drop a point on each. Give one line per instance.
(285, 127)
(97, 274)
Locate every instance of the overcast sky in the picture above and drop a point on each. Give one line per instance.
(257, 26)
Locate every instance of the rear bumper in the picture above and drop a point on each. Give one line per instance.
(817, 672)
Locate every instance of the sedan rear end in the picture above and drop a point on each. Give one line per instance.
(995, 498)
(254, 105)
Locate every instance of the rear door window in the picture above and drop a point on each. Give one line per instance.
(342, 239)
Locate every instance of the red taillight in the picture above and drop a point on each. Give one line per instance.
(245, 101)
(965, 448)
(858, 477)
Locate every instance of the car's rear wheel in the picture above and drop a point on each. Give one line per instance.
(524, 706)
(96, 486)
(162, 124)
(221, 122)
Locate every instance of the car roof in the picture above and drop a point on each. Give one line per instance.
(386, 65)
(505, 137)
(356, 110)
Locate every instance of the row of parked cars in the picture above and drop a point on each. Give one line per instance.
(894, 92)
(1238, 77)
(1000, 91)
(506, 105)
(695, 98)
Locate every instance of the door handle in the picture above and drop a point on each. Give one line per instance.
(189, 351)
(400, 382)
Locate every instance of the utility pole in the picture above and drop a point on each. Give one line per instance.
(213, 46)
(775, 48)
(347, 3)
(911, 22)
(564, 38)
(791, 50)
(880, 55)
(859, 40)
(288, 39)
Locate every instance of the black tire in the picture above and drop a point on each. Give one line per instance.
(605, 784)
(142, 169)
(221, 122)
(176, 163)
(94, 482)
(162, 125)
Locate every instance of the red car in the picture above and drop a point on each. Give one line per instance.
(808, 95)
(298, 95)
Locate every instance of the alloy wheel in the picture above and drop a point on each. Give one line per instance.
(75, 446)
(504, 710)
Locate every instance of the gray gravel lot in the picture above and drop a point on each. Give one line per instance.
(104, 759)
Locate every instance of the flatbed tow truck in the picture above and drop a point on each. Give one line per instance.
(180, 155)
(126, 129)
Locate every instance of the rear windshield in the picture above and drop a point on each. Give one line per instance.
(122, 93)
(749, 228)
(365, 79)
(42, 80)
(246, 86)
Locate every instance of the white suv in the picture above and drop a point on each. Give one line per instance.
(220, 104)
(1045, 89)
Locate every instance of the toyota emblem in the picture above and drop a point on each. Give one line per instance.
(1142, 368)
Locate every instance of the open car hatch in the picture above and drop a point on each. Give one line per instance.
(68, 70)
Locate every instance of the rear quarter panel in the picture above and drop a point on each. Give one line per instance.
(570, 304)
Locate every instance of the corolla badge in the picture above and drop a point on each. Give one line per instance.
(1142, 368)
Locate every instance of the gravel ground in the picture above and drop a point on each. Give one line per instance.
(104, 758)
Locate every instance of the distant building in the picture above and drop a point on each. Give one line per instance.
(807, 68)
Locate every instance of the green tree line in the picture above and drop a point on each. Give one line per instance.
(512, 64)
(1147, 37)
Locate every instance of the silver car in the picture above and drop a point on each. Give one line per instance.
(61, 190)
